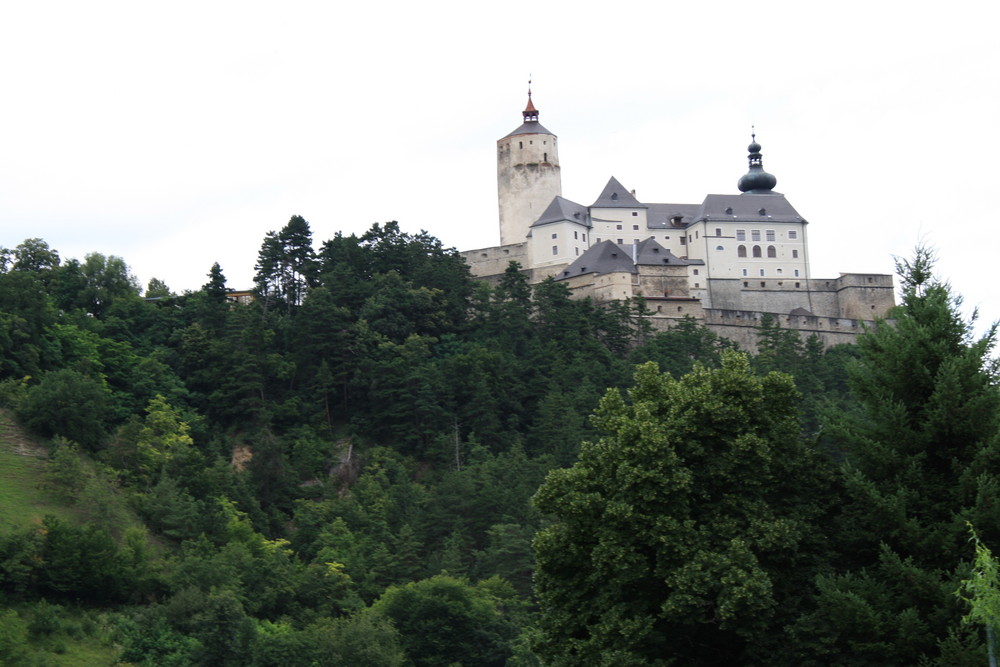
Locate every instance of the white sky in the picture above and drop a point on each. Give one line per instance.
(177, 134)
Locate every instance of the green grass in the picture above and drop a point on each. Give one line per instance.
(23, 498)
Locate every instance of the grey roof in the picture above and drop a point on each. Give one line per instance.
(600, 258)
(561, 210)
(660, 216)
(609, 257)
(650, 253)
(615, 195)
(530, 127)
(748, 207)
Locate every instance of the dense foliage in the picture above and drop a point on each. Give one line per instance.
(341, 470)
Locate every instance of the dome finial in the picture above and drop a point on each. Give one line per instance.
(756, 181)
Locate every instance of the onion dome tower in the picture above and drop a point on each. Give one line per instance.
(756, 181)
(528, 175)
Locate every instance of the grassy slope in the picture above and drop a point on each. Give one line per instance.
(24, 500)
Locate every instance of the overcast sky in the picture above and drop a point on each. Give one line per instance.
(177, 134)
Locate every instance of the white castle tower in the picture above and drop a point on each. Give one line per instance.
(528, 176)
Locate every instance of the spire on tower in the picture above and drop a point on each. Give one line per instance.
(756, 181)
(530, 113)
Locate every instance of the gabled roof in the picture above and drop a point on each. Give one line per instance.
(609, 257)
(615, 195)
(748, 208)
(562, 210)
(651, 253)
(600, 258)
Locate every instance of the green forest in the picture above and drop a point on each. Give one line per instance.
(381, 461)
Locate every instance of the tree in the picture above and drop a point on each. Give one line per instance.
(286, 265)
(683, 536)
(156, 288)
(921, 453)
(983, 590)
(444, 621)
(157, 440)
(70, 404)
(35, 255)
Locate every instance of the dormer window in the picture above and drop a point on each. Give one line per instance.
(614, 196)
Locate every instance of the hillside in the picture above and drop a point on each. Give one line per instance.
(24, 497)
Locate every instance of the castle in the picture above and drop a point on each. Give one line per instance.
(726, 262)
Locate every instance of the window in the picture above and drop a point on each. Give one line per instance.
(718, 231)
(771, 252)
(620, 242)
(545, 157)
(555, 250)
(696, 272)
(683, 240)
(697, 235)
(583, 237)
(745, 274)
(798, 284)
(769, 235)
(779, 272)
(598, 239)
(577, 251)
(520, 144)
(635, 214)
(741, 235)
(792, 234)
(575, 235)
(741, 251)
(696, 285)
(618, 226)
(755, 235)
(756, 251)
(762, 273)
(635, 228)
(763, 284)
(719, 247)
(795, 253)
(796, 273)
(555, 236)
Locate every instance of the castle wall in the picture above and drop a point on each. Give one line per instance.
(865, 295)
(492, 262)
(664, 281)
(741, 326)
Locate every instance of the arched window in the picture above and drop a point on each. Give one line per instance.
(771, 252)
(756, 251)
(741, 251)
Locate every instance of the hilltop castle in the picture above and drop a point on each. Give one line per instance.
(726, 262)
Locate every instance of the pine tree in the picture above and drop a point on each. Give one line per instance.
(920, 461)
